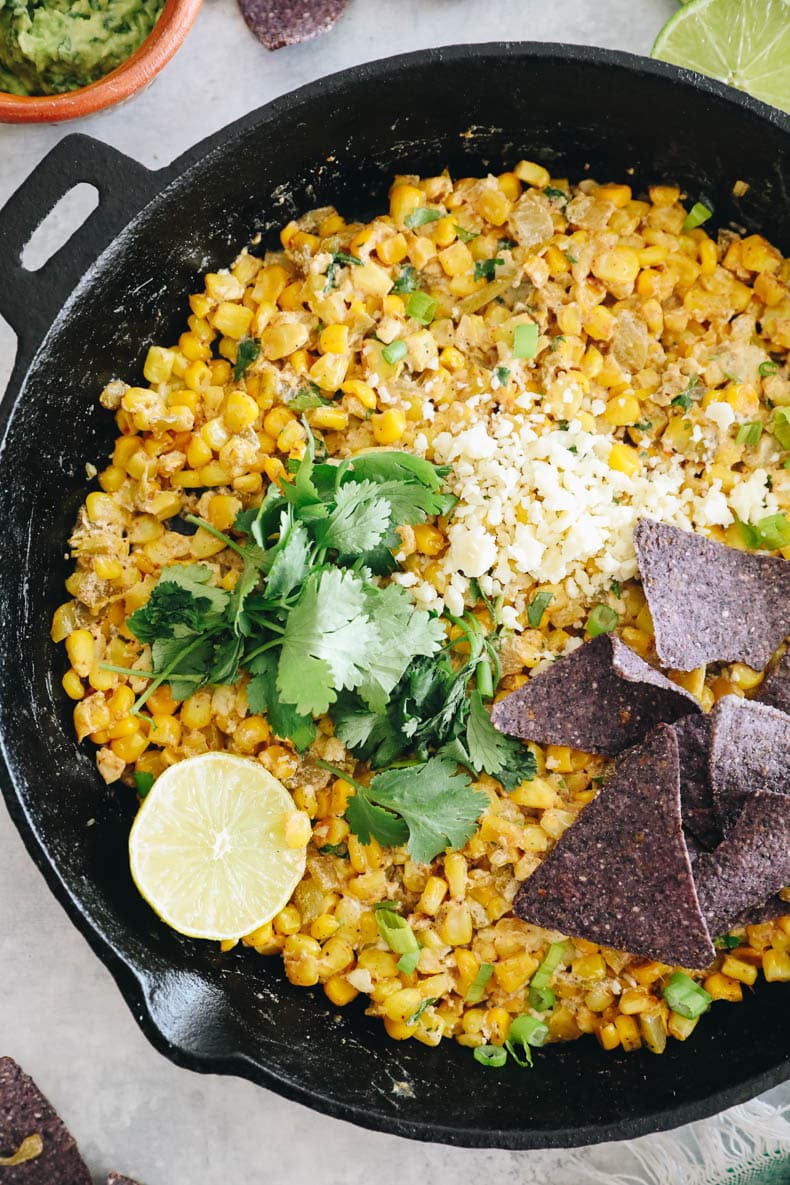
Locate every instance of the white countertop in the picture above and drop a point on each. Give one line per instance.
(61, 1015)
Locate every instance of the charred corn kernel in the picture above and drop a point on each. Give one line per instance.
(456, 259)
(402, 1004)
(372, 280)
(330, 419)
(558, 759)
(325, 925)
(223, 286)
(381, 964)
(124, 728)
(663, 196)
(232, 320)
(273, 468)
(241, 411)
(776, 965)
(106, 568)
(599, 324)
(452, 359)
(617, 268)
(628, 1032)
(304, 241)
(537, 794)
(102, 508)
(455, 927)
(197, 376)
(158, 365)
(514, 973)
(618, 195)
(398, 1030)
(222, 511)
(72, 685)
(510, 185)
(608, 1036)
(650, 256)
(708, 257)
(213, 474)
(63, 621)
(455, 874)
(275, 420)
(532, 173)
(111, 479)
(302, 971)
(130, 748)
(333, 339)
(215, 434)
(121, 700)
(281, 339)
(622, 410)
(432, 895)
(757, 255)
(291, 436)
(722, 987)
(329, 371)
(297, 946)
(193, 349)
(625, 459)
(681, 1027)
(270, 282)
(297, 830)
(81, 649)
(648, 973)
(165, 731)
(428, 539)
(196, 711)
(361, 391)
(745, 677)
(589, 967)
(493, 205)
(389, 426)
(769, 289)
(497, 1022)
(443, 231)
(393, 250)
(288, 920)
(558, 263)
(339, 991)
(633, 1002)
(737, 968)
(404, 199)
(743, 399)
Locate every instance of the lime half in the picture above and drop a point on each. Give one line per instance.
(745, 43)
(208, 850)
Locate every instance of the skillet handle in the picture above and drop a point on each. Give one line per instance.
(29, 301)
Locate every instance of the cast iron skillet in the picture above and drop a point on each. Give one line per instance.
(337, 141)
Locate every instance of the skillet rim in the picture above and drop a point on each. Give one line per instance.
(135, 983)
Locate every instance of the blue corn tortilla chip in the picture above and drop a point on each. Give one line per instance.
(775, 687)
(277, 23)
(711, 603)
(749, 866)
(700, 820)
(24, 1112)
(749, 750)
(621, 874)
(602, 698)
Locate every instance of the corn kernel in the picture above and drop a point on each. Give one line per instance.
(625, 459)
(72, 685)
(298, 830)
(241, 411)
(493, 205)
(81, 650)
(776, 965)
(389, 426)
(721, 987)
(622, 410)
(333, 339)
(456, 259)
(532, 173)
(404, 199)
(339, 991)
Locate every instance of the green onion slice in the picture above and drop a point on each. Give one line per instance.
(490, 1055)
(396, 932)
(477, 988)
(766, 369)
(421, 307)
(525, 341)
(686, 997)
(749, 434)
(773, 532)
(781, 426)
(602, 620)
(696, 216)
(537, 607)
(408, 963)
(143, 782)
(395, 351)
(525, 1034)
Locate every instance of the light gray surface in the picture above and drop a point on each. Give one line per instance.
(60, 1013)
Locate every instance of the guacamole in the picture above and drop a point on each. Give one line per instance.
(51, 46)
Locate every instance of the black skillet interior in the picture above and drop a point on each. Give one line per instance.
(582, 112)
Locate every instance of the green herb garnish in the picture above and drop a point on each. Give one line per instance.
(502, 374)
(687, 396)
(339, 258)
(698, 214)
(727, 942)
(541, 997)
(143, 782)
(395, 930)
(465, 235)
(643, 425)
(335, 849)
(485, 269)
(771, 533)
(395, 351)
(616, 588)
(421, 307)
(602, 620)
(525, 1034)
(525, 341)
(307, 398)
(490, 1055)
(421, 216)
(686, 997)
(537, 607)
(477, 988)
(781, 427)
(415, 1016)
(406, 281)
(557, 195)
(766, 369)
(248, 351)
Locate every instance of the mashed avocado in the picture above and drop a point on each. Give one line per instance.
(51, 46)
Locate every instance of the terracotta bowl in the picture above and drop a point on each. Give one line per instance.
(132, 75)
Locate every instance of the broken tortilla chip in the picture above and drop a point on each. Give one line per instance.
(24, 1115)
(621, 874)
(749, 750)
(601, 698)
(696, 797)
(709, 602)
(277, 23)
(749, 866)
(775, 687)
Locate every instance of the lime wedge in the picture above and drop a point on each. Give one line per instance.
(208, 850)
(745, 43)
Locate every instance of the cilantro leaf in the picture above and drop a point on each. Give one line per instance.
(438, 804)
(248, 351)
(406, 281)
(367, 821)
(262, 698)
(391, 465)
(360, 519)
(307, 398)
(181, 600)
(291, 563)
(401, 634)
(485, 269)
(412, 502)
(686, 397)
(326, 641)
(505, 758)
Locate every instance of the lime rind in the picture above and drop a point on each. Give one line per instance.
(744, 43)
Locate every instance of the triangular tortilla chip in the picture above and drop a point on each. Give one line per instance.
(621, 875)
(24, 1112)
(696, 797)
(711, 603)
(749, 750)
(775, 687)
(602, 698)
(750, 865)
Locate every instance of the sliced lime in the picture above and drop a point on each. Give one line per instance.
(745, 43)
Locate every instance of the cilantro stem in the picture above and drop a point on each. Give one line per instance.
(201, 522)
(261, 649)
(137, 674)
(333, 769)
(168, 671)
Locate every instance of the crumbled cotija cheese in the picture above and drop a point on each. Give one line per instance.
(538, 505)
